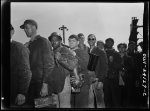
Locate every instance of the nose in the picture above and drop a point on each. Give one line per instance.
(53, 43)
(70, 42)
(26, 30)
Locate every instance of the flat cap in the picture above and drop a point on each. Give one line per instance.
(56, 35)
(29, 21)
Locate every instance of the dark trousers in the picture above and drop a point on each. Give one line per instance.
(33, 92)
(130, 92)
(140, 100)
(123, 96)
(111, 93)
(80, 100)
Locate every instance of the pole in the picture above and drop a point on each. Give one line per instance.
(133, 30)
(63, 30)
(63, 36)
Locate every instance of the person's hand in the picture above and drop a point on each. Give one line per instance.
(91, 73)
(57, 55)
(99, 85)
(92, 76)
(20, 99)
(44, 90)
(73, 52)
(74, 81)
(26, 44)
(121, 73)
(55, 98)
(111, 58)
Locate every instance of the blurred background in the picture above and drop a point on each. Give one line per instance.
(102, 19)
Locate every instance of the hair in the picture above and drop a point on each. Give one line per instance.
(92, 35)
(100, 41)
(50, 38)
(11, 27)
(131, 42)
(54, 34)
(74, 36)
(80, 34)
(124, 44)
(109, 39)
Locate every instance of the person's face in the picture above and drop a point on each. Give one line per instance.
(100, 45)
(81, 39)
(55, 42)
(131, 47)
(109, 44)
(91, 40)
(122, 49)
(73, 43)
(12, 32)
(29, 30)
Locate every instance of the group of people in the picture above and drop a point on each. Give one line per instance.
(46, 67)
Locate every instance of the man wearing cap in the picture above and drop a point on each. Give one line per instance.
(65, 64)
(41, 61)
(20, 73)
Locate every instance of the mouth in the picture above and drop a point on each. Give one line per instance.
(28, 34)
(71, 45)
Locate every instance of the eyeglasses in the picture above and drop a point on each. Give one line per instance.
(91, 39)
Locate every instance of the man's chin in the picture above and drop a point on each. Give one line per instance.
(55, 47)
(71, 47)
(28, 36)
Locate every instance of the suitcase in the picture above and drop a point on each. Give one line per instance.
(45, 102)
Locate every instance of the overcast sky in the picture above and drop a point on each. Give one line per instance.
(102, 19)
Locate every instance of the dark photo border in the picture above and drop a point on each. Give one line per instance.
(5, 48)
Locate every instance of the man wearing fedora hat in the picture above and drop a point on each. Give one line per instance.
(41, 61)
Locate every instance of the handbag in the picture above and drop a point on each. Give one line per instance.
(57, 79)
(44, 102)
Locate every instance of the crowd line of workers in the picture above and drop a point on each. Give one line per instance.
(46, 67)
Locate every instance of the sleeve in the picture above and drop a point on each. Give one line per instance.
(130, 65)
(48, 60)
(24, 71)
(83, 58)
(68, 60)
(104, 67)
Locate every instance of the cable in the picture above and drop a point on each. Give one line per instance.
(140, 34)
